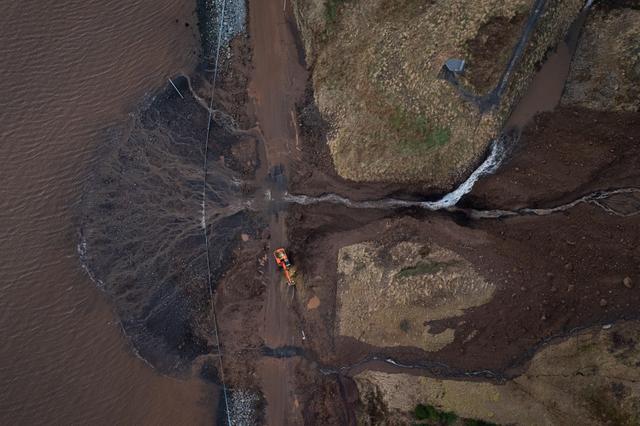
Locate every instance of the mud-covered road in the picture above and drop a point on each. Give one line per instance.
(277, 81)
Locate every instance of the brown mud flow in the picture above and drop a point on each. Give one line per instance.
(546, 88)
(145, 201)
(276, 84)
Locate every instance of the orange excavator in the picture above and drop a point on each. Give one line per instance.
(282, 260)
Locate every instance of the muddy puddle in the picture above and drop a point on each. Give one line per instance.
(546, 88)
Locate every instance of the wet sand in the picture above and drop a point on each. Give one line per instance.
(69, 72)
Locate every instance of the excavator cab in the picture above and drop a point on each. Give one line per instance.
(282, 260)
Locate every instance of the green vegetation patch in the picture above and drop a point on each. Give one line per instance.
(416, 134)
(423, 268)
(430, 413)
(432, 416)
(331, 11)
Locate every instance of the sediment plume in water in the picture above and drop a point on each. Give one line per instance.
(141, 234)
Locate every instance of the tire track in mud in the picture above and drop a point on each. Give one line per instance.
(276, 83)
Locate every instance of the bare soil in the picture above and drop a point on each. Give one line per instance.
(552, 274)
(555, 274)
(563, 155)
(605, 73)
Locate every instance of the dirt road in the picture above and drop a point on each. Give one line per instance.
(276, 83)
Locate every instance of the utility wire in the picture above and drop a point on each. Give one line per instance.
(204, 215)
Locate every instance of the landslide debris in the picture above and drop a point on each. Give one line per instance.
(605, 73)
(590, 141)
(563, 155)
(142, 216)
(388, 294)
(589, 379)
(376, 76)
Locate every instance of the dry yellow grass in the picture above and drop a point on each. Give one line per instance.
(381, 57)
(386, 295)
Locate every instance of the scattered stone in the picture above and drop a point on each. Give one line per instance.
(313, 303)
(570, 287)
(603, 302)
(244, 237)
(244, 407)
(471, 335)
(627, 282)
(568, 266)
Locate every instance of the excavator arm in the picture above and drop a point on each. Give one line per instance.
(282, 260)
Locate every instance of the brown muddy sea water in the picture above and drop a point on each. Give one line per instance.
(69, 71)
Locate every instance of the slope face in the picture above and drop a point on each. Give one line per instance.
(377, 79)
